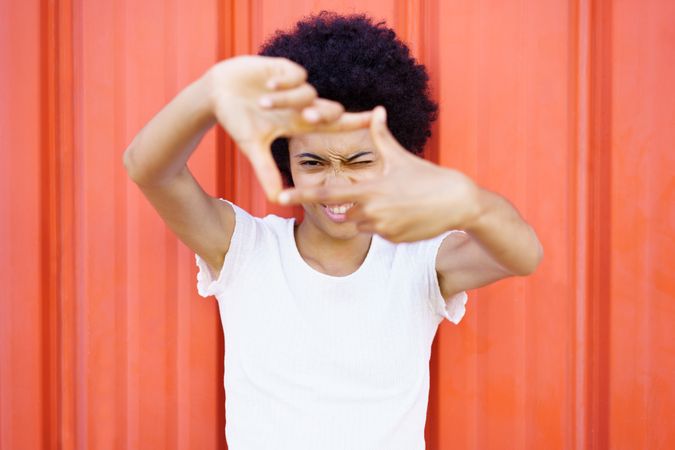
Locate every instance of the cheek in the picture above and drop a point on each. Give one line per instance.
(306, 179)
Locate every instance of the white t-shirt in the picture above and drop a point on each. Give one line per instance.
(314, 361)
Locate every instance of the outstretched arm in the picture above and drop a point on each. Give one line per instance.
(255, 99)
(498, 243)
(415, 199)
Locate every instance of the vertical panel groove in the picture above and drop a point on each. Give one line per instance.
(76, 310)
(225, 167)
(120, 107)
(592, 67)
(579, 204)
(599, 215)
(50, 226)
(57, 209)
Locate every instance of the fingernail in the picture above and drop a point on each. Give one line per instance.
(265, 102)
(311, 115)
(284, 197)
(271, 84)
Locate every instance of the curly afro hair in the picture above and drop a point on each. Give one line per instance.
(361, 64)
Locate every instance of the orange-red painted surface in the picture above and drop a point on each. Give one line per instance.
(566, 108)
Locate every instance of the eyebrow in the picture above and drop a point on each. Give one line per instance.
(358, 155)
(310, 155)
(351, 158)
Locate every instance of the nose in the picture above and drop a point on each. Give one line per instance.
(336, 178)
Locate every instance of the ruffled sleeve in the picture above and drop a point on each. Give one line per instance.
(206, 284)
(239, 252)
(454, 307)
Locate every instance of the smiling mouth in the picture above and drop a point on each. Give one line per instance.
(337, 213)
(338, 209)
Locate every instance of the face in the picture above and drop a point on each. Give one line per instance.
(332, 159)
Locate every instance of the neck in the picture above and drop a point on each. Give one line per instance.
(337, 257)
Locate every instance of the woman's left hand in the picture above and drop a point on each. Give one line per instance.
(412, 200)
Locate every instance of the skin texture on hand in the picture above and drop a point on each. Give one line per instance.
(258, 99)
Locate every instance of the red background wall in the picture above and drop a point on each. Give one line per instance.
(565, 107)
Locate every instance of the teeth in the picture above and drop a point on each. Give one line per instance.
(339, 209)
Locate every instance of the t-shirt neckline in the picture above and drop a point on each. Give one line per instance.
(300, 261)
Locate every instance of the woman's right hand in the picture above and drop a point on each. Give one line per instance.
(258, 99)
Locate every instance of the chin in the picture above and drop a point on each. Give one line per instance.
(343, 231)
(348, 231)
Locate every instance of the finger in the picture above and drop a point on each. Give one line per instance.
(285, 74)
(323, 111)
(298, 97)
(324, 194)
(382, 137)
(348, 122)
(266, 171)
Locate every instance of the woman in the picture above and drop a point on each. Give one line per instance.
(328, 323)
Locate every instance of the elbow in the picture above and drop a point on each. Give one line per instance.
(127, 160)
(131, 167)
(146, 171)
(532, 261)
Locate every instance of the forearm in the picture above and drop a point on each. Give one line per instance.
(162, 148)
(502, 232)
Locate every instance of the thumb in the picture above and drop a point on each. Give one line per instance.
(266, 170)
(382, 137)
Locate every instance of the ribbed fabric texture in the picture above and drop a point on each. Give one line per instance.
(314, 361)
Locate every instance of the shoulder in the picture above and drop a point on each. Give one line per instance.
(432, 247)
(417, 257)
(254, 240)
(245, 221)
